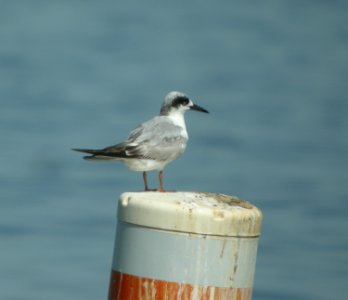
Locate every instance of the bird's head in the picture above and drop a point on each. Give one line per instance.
(177, 102)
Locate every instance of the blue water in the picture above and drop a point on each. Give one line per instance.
(78, 73)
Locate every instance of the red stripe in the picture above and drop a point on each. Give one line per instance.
(130, 287)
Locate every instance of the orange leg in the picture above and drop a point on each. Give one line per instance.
(160, 179)
(145, 181)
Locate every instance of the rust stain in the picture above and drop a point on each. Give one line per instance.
(223, 248)
(130, 287)
(229, 200)
(218, 214)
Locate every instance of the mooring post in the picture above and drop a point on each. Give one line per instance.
(184, 245)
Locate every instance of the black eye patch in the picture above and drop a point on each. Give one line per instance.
(181, 101)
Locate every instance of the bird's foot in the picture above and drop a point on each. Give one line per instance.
(165, 191)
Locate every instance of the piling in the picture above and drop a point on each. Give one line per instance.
(184, 246)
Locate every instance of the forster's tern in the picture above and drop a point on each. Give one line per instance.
(154, 143)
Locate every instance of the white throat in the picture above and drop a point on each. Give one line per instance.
(178, 120)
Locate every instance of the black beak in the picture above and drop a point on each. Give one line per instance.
(198, 108)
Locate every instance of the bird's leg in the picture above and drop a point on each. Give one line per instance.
(145, 181)
(160, 179)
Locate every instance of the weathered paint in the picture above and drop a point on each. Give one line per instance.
(182, 245)
(130, 287)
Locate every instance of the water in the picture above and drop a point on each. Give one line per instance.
(273, 74)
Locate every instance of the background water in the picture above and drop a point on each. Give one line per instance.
(78, 73)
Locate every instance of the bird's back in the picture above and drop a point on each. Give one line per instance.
(157, 139)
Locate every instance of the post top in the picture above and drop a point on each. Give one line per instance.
(191, 212)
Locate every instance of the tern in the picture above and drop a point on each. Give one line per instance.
(154, 143)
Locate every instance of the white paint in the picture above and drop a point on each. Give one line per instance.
(206, 213)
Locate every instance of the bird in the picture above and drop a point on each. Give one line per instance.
(154, 143)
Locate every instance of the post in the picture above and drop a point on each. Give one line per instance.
(183, 245)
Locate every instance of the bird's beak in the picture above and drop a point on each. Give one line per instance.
(198, 108)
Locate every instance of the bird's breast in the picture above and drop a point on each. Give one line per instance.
(144, 164)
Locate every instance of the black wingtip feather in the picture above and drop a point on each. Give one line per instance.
(103, 154)
(89, 151)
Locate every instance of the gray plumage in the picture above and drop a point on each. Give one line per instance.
(154, 143)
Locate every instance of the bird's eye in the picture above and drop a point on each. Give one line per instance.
(184, 101)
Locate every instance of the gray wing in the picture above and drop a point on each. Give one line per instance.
(157, 139)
